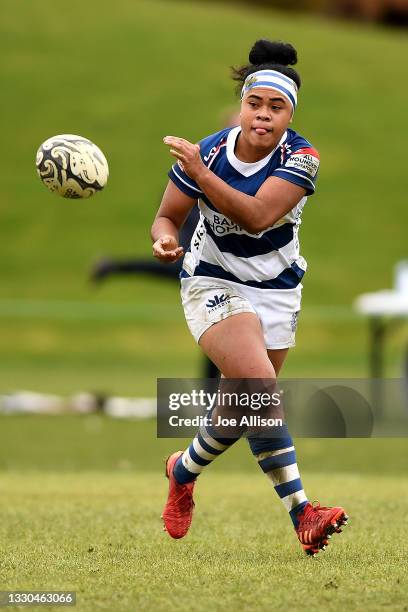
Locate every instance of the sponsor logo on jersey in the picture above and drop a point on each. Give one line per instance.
(285, 152)
(306, 159)
(198, 234)
(221, 225)
(214, 151)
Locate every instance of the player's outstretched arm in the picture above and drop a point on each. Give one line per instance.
(174, 208)
(274, 199)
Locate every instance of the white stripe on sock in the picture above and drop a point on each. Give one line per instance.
(284, 474)
(294, 499)
(275, 453)
(191, 465)
(201, 452)
(211, 442)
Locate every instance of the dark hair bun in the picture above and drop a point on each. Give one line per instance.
(272, 52)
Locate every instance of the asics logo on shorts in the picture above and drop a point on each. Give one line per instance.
(218, 301)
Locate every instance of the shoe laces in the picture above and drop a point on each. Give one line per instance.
(311, 512)
(309, 508)
(316, 506)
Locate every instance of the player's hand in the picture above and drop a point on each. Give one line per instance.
(166, 249)
(188, 155)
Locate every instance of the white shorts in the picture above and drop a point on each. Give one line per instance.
(209, 300)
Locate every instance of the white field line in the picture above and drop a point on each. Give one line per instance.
(67, 310)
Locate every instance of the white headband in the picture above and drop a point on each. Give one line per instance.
(273, 80)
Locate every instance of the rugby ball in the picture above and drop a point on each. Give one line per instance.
(72, 166)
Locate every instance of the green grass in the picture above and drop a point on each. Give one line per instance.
(94, 442)
(100, 535)
(127, 356)
(81, 500)
(119, 77)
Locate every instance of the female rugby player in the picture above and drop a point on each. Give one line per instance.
(241, 277)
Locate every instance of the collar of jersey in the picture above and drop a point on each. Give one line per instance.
(247, 168)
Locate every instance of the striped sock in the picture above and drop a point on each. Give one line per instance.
(277, 459)
(205, 447)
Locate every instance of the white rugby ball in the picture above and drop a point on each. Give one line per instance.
(72, 166)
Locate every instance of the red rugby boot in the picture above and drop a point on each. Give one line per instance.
(316, 526)
(178, 511)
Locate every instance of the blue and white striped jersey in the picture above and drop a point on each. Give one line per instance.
(222, 249)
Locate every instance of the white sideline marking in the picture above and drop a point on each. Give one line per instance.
(67, 310)
(72, 311)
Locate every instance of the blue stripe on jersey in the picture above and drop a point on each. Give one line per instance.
(288, 279)
(190, 188)
(287, 488)
(296, 177)
(245, 246)
(278, 461)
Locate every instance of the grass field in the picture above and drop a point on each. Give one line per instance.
(82, 499)
(91, 70)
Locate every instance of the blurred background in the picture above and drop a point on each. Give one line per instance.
(126, 77)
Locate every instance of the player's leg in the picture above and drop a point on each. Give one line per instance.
(277, 358)
(277, 458)
(210, 370)
(237, 347)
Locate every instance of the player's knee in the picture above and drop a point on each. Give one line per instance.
(253, 371)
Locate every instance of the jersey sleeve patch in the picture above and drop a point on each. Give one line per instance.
(306, 159)
(301, 168)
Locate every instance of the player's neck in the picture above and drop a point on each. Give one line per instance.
(247, 153)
